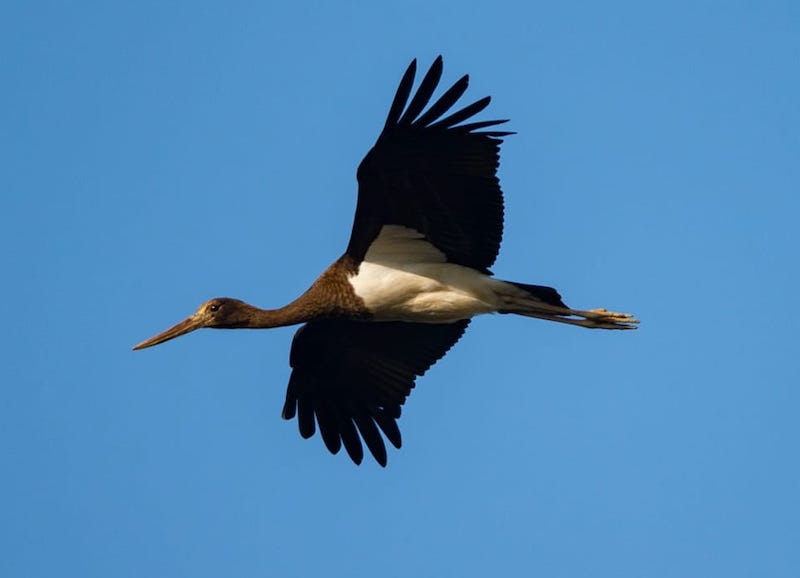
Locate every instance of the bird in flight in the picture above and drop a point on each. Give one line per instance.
(427, 227)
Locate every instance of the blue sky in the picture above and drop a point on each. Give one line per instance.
(156, 154)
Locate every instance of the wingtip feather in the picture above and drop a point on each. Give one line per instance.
(424, 92)
(401, 96)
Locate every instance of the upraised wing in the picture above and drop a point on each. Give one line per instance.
(430, 173)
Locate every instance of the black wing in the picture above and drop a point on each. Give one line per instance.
(434, 175)
(353, 376)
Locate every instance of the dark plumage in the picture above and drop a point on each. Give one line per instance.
(427, 227)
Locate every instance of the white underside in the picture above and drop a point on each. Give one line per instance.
(405, 278)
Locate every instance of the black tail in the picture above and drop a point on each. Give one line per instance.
(545, 294)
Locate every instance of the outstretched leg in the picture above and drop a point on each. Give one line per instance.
(593, 318)
(545, 303)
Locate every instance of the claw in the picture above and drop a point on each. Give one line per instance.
(604, 319)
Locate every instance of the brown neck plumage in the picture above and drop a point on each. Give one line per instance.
(245, 315)
(331, 295)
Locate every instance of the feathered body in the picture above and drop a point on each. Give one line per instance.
(427, 227)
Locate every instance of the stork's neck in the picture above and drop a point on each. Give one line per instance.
(331, 295)
(298, 311)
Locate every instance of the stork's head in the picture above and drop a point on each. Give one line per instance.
(219, 312)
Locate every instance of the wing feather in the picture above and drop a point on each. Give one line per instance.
(401, 96)
(463, 114)
(433, 175)
(353, 376)
(424, 92)
(444, 103)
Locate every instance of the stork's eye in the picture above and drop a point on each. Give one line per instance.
(214, 307)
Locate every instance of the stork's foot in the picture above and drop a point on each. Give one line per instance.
(593, 318)
(604, 319)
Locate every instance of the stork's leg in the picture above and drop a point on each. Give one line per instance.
(592, 319)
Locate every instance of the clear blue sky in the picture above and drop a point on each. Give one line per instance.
(156, 154)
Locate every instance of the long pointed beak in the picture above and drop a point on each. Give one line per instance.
(186, 326)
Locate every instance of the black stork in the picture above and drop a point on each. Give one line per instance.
(427, 227)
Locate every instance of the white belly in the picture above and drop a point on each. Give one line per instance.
(405, 278)
(434, 293)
